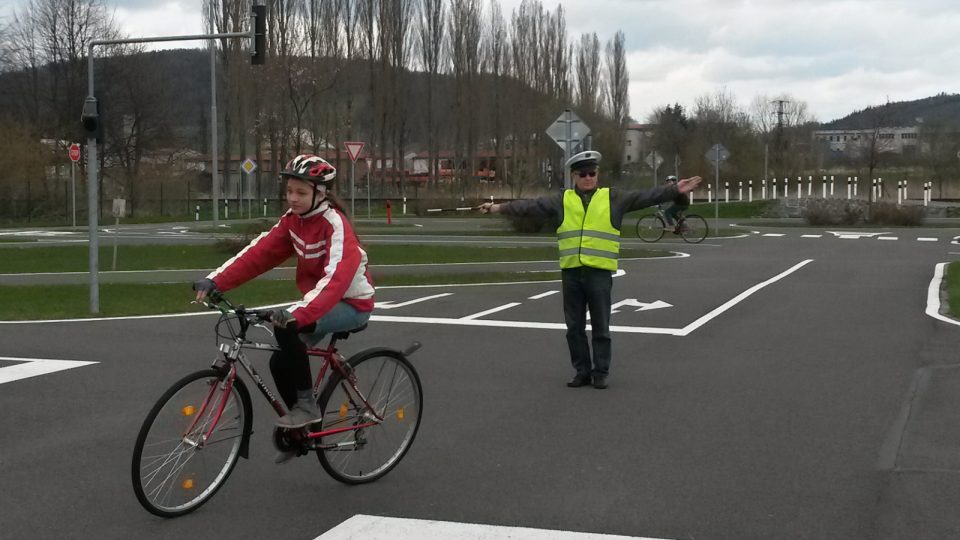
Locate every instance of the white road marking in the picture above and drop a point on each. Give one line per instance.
(854, 234)
(633, 302)
(933, 296)
(542, 295)
(388, 304)
(926, 239)
(811, 236)
(774, 234)
(887, 238)
(489, 311)
(367, 527)
(32, 367)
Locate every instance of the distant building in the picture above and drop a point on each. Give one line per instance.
(897, 140)
(637, 143)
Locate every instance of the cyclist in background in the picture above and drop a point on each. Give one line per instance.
(680, 203)
(331, 273)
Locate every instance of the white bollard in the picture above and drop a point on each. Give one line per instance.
(740, 191)
(774, 189)
(799, 187)
(831, 185)
(786, 187)
(904, 190)
(197, 218)
(809, 185)
(750, 189)
(226, 210)
(726, 192)
(848, 188)
(856, 183)
(879, 188)
(763, 189)
(823, 187)
(264, 207)
(709, 193)
(404, 205)
(873, 189)
(899, 193)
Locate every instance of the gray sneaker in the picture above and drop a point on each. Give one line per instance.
(301, 414)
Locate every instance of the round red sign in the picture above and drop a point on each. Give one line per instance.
(75, 152)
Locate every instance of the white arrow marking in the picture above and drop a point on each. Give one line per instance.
(390, 305)
(633, 302)
(31, 367)
(855, 235)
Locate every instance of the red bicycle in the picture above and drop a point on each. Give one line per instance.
(192, 438)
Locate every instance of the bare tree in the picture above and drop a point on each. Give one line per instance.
(431, 33)
(464, 35)
(588, 72)
(618, 85)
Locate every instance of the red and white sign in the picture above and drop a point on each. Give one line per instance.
(74, 152)
(354, 148)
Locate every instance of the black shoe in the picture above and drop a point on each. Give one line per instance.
(600, 382)
(578, 381)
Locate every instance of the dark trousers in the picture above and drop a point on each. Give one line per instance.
(290, 366)
(588, 288)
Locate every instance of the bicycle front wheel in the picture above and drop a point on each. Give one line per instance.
(694, 229)
(179, 462)
(650, 228)
(392, 389)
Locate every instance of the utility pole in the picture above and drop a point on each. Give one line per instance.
(779, 143)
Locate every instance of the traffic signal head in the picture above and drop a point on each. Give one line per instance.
(90, 118)
(258, 36)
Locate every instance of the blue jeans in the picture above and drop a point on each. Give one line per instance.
(341, 318)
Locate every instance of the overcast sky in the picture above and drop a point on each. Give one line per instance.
(836, 55)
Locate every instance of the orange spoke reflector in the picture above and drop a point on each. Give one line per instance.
(187, 483)
(343, 410)
(188, 410)
(400, 413)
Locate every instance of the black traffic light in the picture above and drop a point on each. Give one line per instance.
(90, 117)
(258, 45)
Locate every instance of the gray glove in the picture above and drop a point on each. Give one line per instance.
(204, 287)
(282, 318)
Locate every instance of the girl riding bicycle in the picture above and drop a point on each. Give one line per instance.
(331, 273)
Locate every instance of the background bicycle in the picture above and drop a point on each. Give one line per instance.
(691, 227)
(191, 440)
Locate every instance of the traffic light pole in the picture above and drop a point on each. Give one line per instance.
(89, 112)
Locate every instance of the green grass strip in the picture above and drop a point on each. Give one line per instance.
(19, 260)
(43, 302)
(953, 288)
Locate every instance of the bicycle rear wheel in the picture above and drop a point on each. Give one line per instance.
(694, 229)
(650, 228)
(177, 465)
(392, 388)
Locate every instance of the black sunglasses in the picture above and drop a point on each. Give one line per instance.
(584, 174)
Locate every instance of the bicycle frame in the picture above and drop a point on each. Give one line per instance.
(233, 354)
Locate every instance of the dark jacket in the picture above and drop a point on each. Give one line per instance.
(622, 201)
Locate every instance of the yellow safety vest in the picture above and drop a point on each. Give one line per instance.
(586, 238)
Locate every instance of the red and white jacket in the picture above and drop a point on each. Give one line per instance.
(331, 265)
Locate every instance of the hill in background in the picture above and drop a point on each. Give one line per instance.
(941, 109)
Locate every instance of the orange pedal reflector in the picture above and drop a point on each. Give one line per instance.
(188, 410)
(187, 483)
(400, 413)
(343, 409)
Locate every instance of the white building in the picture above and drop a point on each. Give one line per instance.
(853, 141)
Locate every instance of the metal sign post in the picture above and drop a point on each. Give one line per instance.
(369, 162)
(74, 154)
(717, 154)
(90, 112)
(248, 167)
(353, 150)
(568, 130)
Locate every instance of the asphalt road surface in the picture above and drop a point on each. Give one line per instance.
(793, 388)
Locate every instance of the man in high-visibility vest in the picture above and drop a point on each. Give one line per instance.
(589, 243)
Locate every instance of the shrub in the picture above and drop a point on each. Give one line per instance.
(833, 212)
(891, 214)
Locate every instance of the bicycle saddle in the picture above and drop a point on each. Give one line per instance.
(346, 334)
